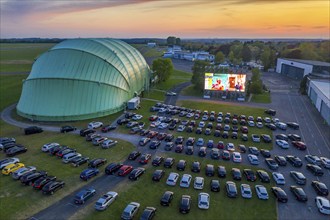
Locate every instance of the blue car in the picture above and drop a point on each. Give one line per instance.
(82, 196)
(89, 173)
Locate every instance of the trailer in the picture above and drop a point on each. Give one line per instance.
(134, 103)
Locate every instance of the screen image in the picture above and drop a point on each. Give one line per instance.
(225, 82)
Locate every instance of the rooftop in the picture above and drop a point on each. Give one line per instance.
(323, 86)
(311, 62)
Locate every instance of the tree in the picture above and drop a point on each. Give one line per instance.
(303, 85)
(256, 87)
(163, 68)
(219, 57)
(231, 56)
(198, 74)
(171, 40)
(178, 41)
(246, 54)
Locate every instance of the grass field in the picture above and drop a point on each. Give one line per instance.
(148, 193)
(191, 91)
(19, 57)
(20, 202)
(177, 77)
(261, 98)
(10, 88)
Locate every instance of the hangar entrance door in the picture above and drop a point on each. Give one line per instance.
(292, 71)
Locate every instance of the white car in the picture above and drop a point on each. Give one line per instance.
(313, 159)
(219, 119)
(237, 158)
(259, 125)
(323, 205)
(254, 160)
(171, 93)
(261, 192)
(205, 117)
(201, 124)
(230, 147)
(246, 191)
(282, 144)
(172, 179)
(163, 125)
(49, 146)
(281, 125)
(155, 124)
(255, 138)
(185, 180)
(203, 200)
(95, 124)
(109, 143)
(162, 110)
(199, 182)
(5, 162)
(278, 178)
(325, 162)
(181, 128)
(103, 202)
(267, 120)
(275, 120)
(137, 117)
(251, 123)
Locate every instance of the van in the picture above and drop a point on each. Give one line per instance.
(70, 156)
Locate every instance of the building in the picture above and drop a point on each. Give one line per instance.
(297, 69)
(319, 92)
(83, 78)
(151, 44)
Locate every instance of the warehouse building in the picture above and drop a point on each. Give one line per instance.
(83, 78)
(297, 69)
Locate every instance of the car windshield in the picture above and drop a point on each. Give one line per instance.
(98, 203)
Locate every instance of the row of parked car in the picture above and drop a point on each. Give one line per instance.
(29, 175)
(9, 146)
(97, 139)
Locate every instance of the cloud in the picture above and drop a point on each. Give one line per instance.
(320, 27)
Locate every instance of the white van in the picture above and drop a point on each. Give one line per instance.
(70, 156)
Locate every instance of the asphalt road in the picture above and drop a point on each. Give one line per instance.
(290, 106)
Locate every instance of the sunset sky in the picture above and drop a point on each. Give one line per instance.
(162, 18)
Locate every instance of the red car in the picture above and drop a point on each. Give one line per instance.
(124, 170)
(221, 145)
(299, 144)
(144, 159)
(153, 118)
(161, 136)
(244, 129)
(152, 134)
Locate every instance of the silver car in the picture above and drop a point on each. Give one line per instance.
(261, 192)
(130, 211)
(106, 200)
(246, 191)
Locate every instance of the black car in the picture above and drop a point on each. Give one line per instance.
(169, 137)
(294, 160)
(17, 149)
(134, 155)
(217, 133)
(112, 168)
(266, 138)
(293, 125)
(282, 137)
(225, 135)
(320, 188)
(299, 193)
(242, 148)
(129, 114)
(91, 136)
(199, 131)
(86, 131)
(178, 148)
(271, 126)
(157, 160)
(166, 198)
(136, 173)
(185, 204)
(67, 128)
(108, 128)
(280, 194)
(169, 146)
(215, 185)
(30, 178)
(63, 152)
(33, 130)
(281, 161)
(7, 146)
(154, 144)
(6, 140)
(190, 141)
(54, 150)
(263, 176)
(231, 189)
(97, 162)
(315, 169)
(41, 182)
(123, 121)
(298, 177)
(271, 112)
(181, 165)
(157, 175)
(234, 135)
(236, 173)
(265, 153)
(202, 152)
(179, 140)
(82, 196)
(222, 171)
(250, 175)
(148, 213)
(209, 170)
(52, 187)
(196, 167)
(76, 162)
(294, 137)
(271, 164)
(169, 162)
(190, 150)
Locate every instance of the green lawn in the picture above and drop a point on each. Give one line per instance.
(191, 91)
(155, 94)
(20, 202)
(177, 77)
(148, 193)
(10, 88)
(261, 98)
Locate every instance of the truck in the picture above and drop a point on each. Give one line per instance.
(134, 103)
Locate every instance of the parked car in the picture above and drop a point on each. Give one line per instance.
(237, 158)
(185, 181)
(97, 162)
(323, 205)
(52, 187)
(76, 162)
(209, 170)
(166, 198)
(5, 162)
(157, 175)
(278, 178)
(203, 200)
(11, 168)
(320, 188)
(315, 169)
(62, 153)
(283, 137)
(271, 164)
(41, 182)
(282, 144)
(185, 204)
(30, 178)
(168, 163)
(148, 213)
(172, 179)
(17, 149)
(253, 159)
(263, 176)
(181, 165)
(67, 128)
(246, 191)
(280, 194)
(108, 128)
(108, 143)
(222, 171)
(112, 168)
(299, 145)
(294, 160)
(325, 162)
(89, 173)
(22, 171)
(236, 173)
(202, 152)
(215, 185)
(33, 130)
(231, 189)
(133, 155)
(313, 159)
(48, 146)
(95, 124)
(298, 177)
(254, 150)
(157, 160)
(261, 192)
(281, 161)
(293, 125)
(105, 200)
(271, 112)
(125, 170)
(85, 194)
(136, 173)
(299, 193)
(67, 158)
(199, 182)
(250, 175)
(86, 131)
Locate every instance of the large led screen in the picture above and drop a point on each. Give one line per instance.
(225, 82)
